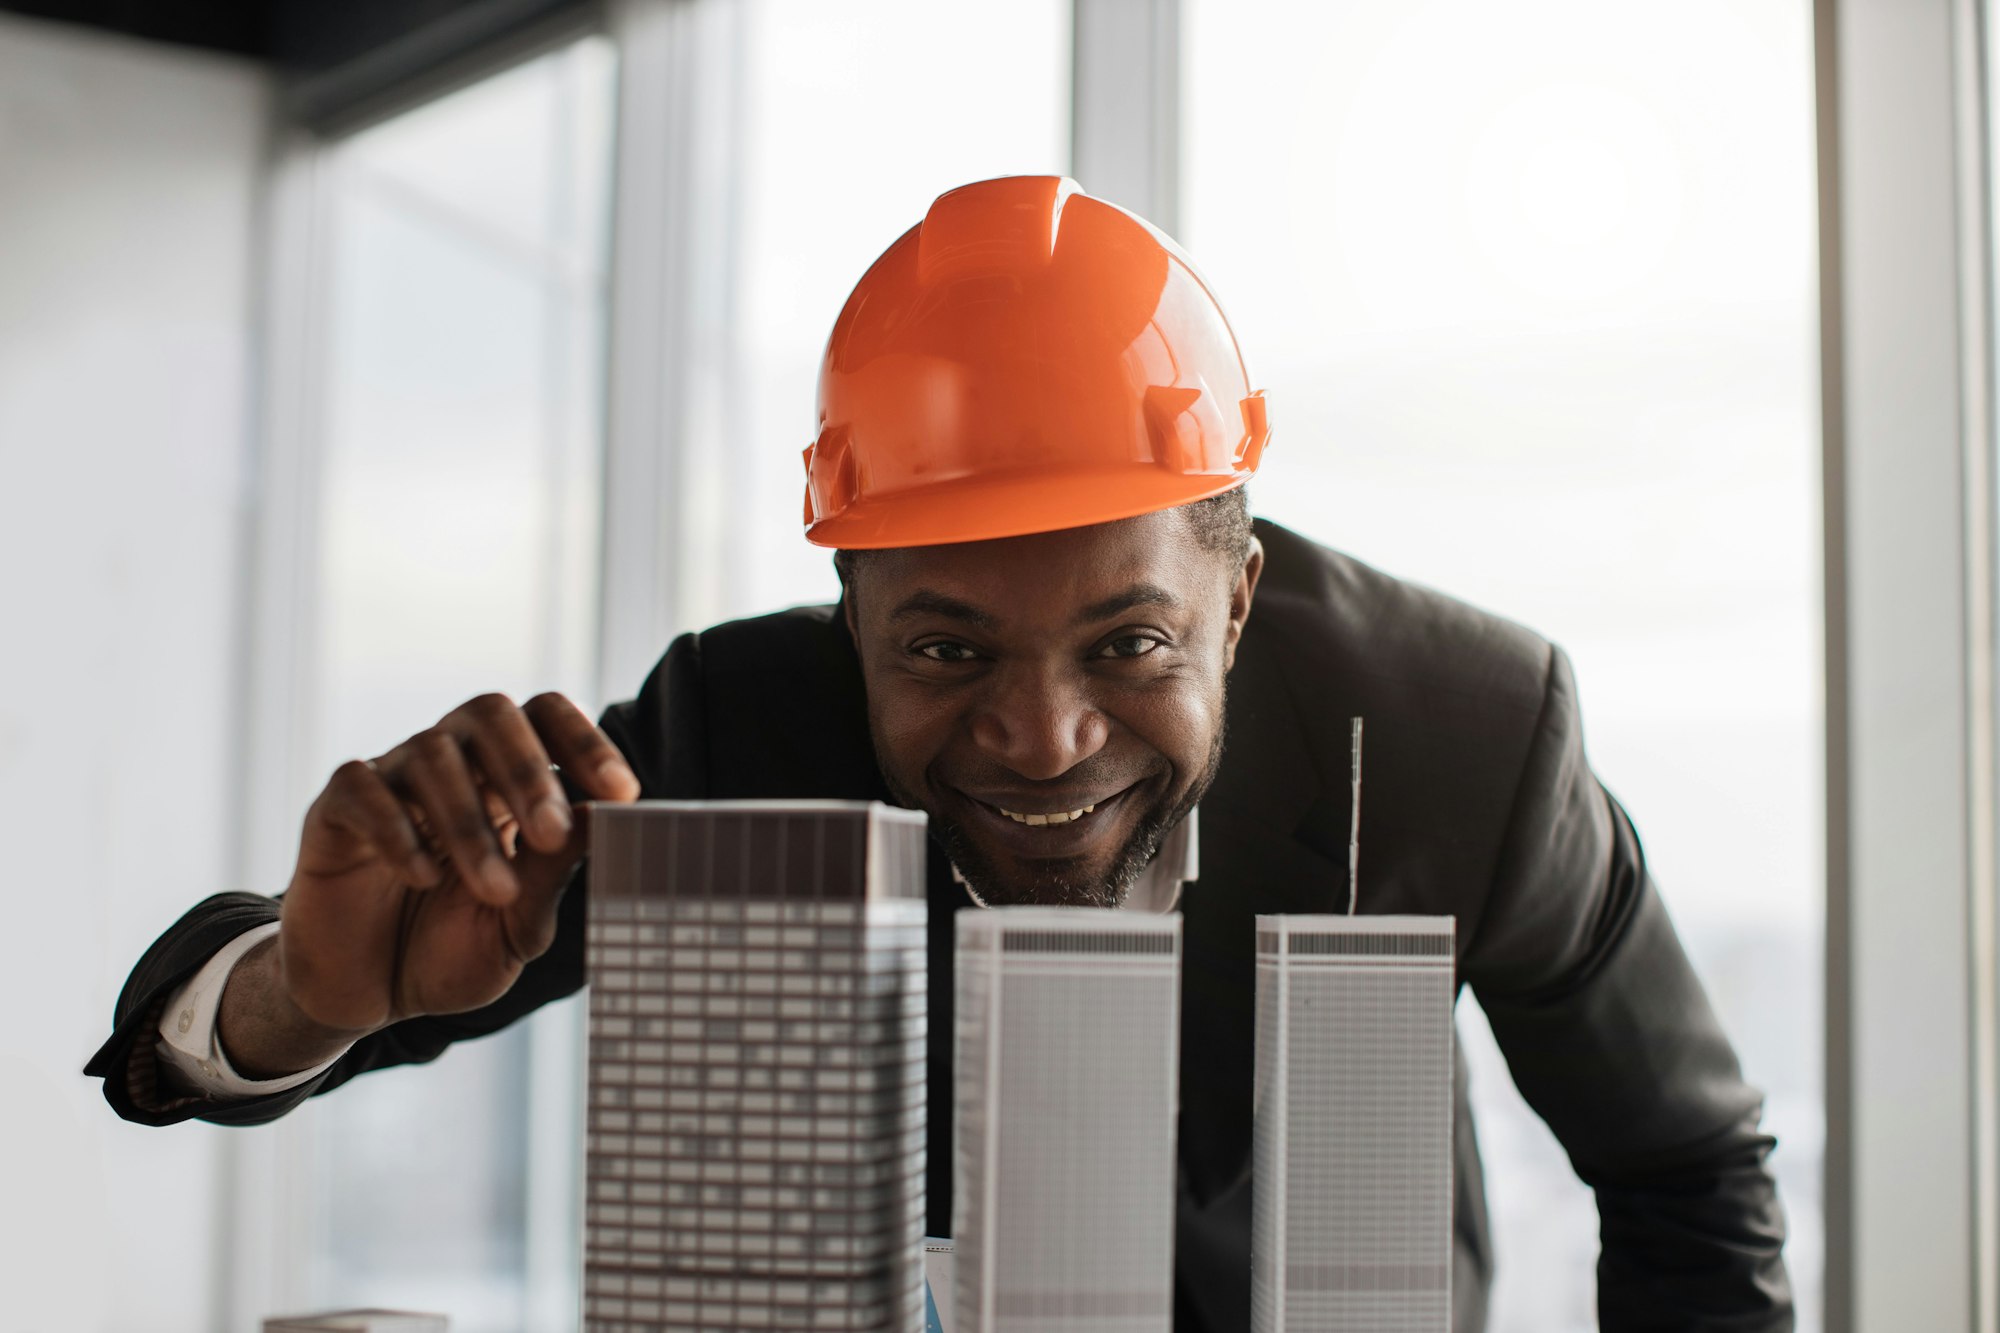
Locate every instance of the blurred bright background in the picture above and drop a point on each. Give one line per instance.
(1532, 288)
(312, 432)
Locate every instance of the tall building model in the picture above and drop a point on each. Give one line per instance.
(1351, 1227)
(755, 1155)
(1068, 1047)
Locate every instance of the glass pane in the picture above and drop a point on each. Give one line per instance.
(459, 535)
(855, 117)
(1532, 290)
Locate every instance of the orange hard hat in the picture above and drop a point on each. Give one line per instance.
(1024, 359)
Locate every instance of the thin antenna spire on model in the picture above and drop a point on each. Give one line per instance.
(1354, 827)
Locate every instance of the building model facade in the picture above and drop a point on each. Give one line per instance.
(756, 1132)
(1351, 1225)
(1068, 1094)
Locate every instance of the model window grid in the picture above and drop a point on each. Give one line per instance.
(756, 1106)
(1068, 1043)
(1351, 1229)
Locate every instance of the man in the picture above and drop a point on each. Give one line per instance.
(1035, 428)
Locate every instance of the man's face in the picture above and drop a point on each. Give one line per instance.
(1053, 702)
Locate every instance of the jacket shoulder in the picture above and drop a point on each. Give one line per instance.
(1390, 638)
(1452, 698)
(770, 706)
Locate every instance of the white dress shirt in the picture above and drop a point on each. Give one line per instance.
(189, 1049)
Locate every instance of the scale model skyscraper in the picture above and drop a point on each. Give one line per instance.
(755, 1156)
(1351, 1227)
(1068, 1051)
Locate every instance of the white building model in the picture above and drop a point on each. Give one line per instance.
(755, 1156)
(1067, 1047)
(1351, 1228)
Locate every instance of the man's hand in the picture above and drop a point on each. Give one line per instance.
(427, 879)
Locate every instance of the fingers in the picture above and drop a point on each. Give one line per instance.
(433, 768)
(359, 804)
(484, 777)
(531, 922)
(517, 751)
(514, 763)
(514, 751)
(585, 753)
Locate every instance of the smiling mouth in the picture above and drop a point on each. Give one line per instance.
(1067, 820)
(1037, 821)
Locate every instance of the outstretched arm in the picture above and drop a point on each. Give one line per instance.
(415, 1030)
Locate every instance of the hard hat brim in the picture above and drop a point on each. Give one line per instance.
(989, 507)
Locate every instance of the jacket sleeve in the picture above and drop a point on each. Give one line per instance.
(1611, 1040)
(666, 714)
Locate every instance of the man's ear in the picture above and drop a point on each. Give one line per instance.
(1240, 597)
(847, 603)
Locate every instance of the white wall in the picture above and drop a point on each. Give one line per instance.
(128, 188)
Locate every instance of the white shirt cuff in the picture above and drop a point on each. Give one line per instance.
(188, 1042)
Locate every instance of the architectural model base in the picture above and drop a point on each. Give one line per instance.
(359, 1321)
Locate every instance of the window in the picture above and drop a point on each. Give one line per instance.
(460, 346)
(1531, 288)
(458, 520)
(821, 192)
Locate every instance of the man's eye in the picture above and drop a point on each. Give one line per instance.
(1130, 645)
(947, 652)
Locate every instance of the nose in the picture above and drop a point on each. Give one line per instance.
(1039, 722)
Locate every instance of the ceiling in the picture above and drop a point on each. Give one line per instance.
(331, 53)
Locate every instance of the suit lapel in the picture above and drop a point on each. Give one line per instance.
(1252, 862)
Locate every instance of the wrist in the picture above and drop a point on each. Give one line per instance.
(263, 1031)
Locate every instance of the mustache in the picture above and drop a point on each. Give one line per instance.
(1095, 774)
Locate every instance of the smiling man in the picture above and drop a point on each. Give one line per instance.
(1057, 730)
(1063, 638)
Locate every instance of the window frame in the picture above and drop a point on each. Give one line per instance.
(1906, 372)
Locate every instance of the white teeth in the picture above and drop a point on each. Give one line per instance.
(1059, 817)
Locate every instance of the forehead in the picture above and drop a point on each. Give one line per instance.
(1053, 570)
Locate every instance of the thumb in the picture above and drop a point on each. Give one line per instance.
(544, 876)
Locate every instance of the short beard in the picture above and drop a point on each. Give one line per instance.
(1064, 883)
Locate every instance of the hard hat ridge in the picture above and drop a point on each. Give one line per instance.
(1026, 358)
(973, 229)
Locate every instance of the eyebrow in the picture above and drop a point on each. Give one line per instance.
(926, 602)
(1139, 594)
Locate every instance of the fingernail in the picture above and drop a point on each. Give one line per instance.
(551, 818)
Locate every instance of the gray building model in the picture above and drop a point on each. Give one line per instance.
(1068, 1096)
(1351, 1224)
(755, 1149)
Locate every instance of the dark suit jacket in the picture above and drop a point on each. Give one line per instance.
(1479, 804)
